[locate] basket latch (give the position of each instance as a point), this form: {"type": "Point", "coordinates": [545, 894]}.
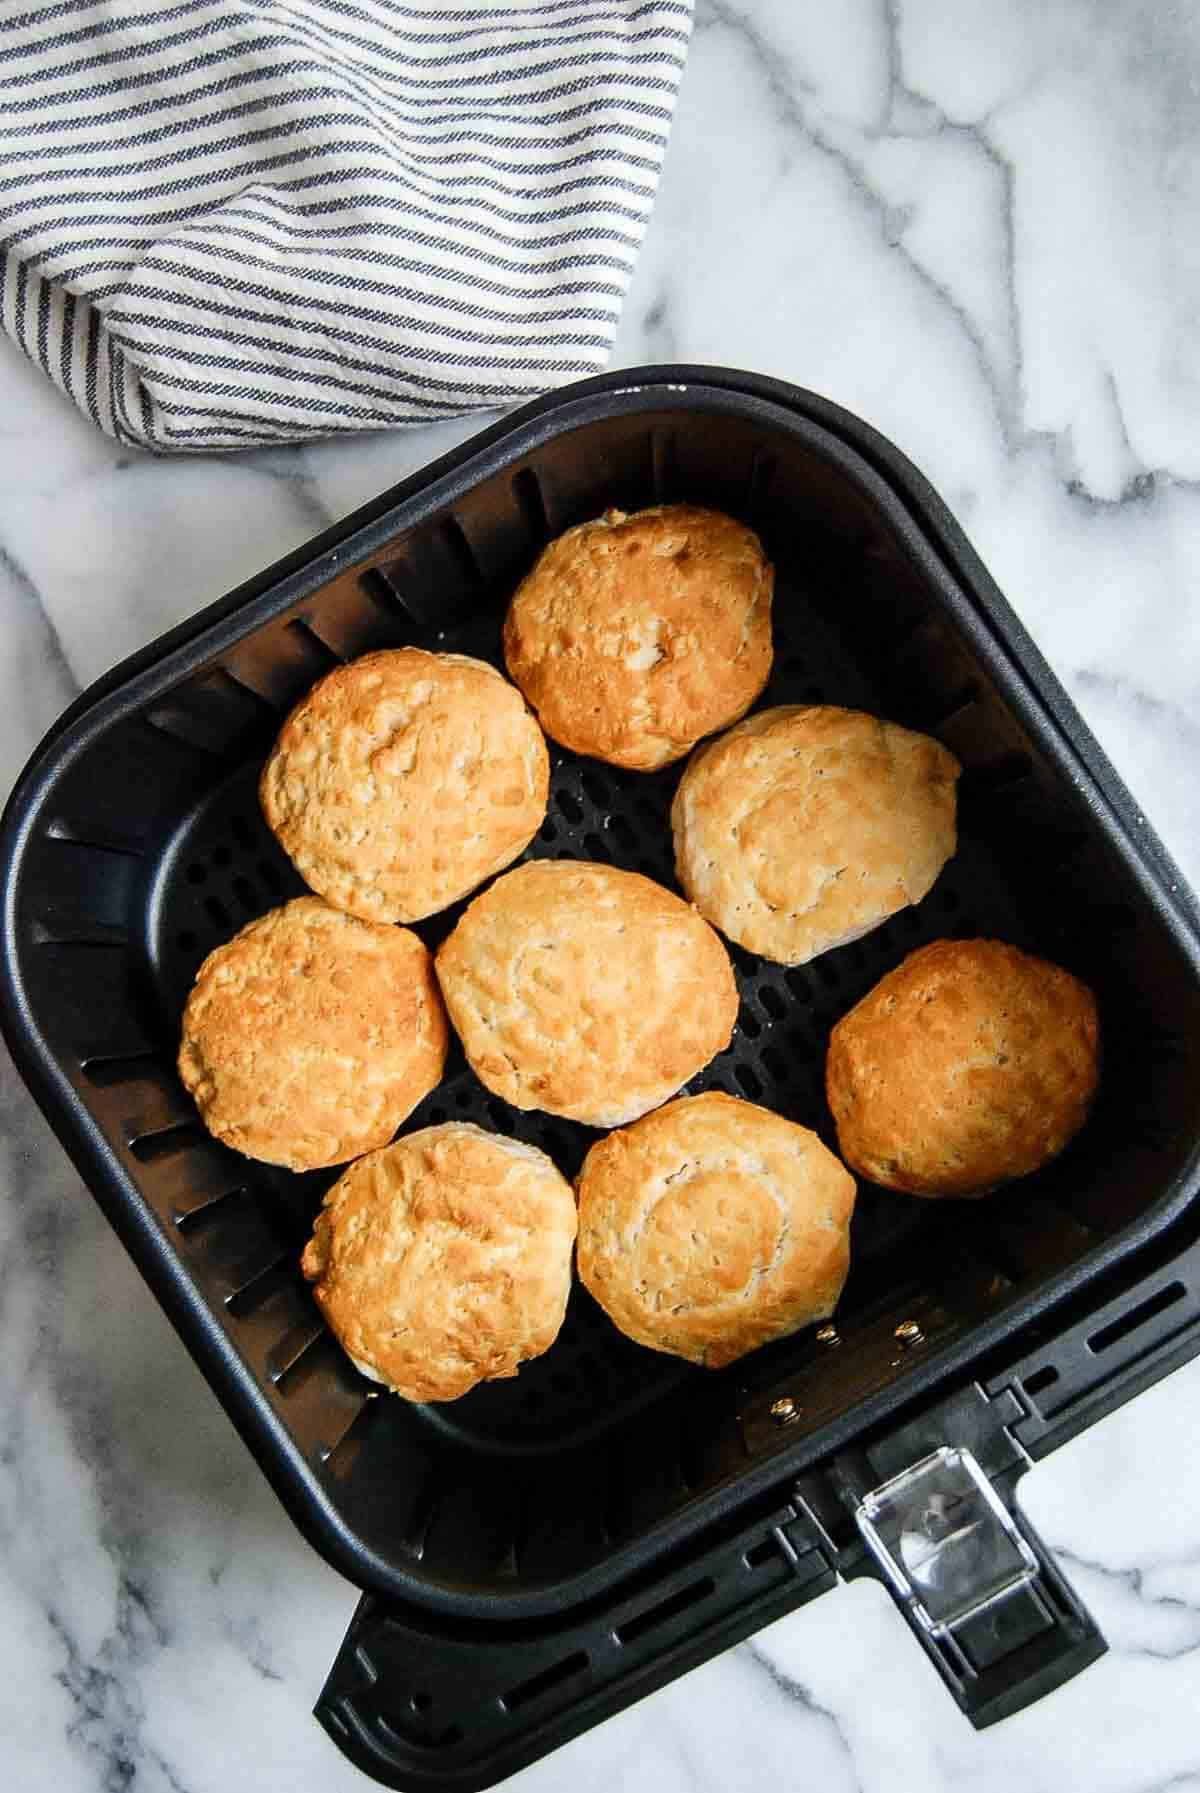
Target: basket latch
{"type": "Point", "coordinates": [930, 1510]}
{"type": "Point", "coordinates": [954, 1558]}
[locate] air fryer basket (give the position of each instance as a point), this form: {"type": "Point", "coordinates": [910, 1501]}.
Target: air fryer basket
{"type": "Point", "coordinates": [134, 844]}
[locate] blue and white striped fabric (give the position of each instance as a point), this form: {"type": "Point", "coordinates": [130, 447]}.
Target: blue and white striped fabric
{"type": "Point", "coordinates": [230, 222]}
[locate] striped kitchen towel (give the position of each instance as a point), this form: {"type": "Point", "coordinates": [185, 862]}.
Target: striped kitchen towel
{"type": "Point", "coordinates": [231, 222]}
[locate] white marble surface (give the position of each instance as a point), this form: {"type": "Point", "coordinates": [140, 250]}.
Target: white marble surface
{"type": "Point", "coordinates": [975, 225]}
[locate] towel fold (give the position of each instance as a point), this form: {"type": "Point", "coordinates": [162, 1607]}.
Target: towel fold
{"type": "Point", "coordinates": [225, 223]}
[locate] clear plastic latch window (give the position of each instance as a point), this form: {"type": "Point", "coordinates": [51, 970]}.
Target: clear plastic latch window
{"type": "Point", "coordinates": [945, 1541]}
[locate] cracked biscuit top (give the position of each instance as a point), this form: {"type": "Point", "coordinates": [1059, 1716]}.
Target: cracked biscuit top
{"type": "Point", "coordinates": [636, 635]}
{"type": "Point", "coordinates": [713, 1226]}
{"type": "Point", "coordinates": [971, 1064]}
{"type": "Point", "coordinates": [311, 1035]}
{"type": "Point", "coordinates": [403, 780]}
{"type": "Point", "coordinates": [586, 991]}
{"type": "Point", "coordinates": [444, 1260]}
{"type": "Point", "coordinates": [807, 825]}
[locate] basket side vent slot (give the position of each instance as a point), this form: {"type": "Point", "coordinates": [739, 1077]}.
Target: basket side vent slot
{"type": "Point", "coordinates": [541, 1684]}
{"type": "Point", "coordinates": [1141, 1315]}
{"type": "Point", "coordinates": [644, 1622]}
{"type": "Point", "coordinates": [527, 491]}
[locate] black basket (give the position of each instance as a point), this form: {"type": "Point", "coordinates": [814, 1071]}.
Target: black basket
{"type": "Point", "coordinates": [608, 1493]}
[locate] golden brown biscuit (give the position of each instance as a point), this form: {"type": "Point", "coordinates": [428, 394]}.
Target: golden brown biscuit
{"type": "Point", "coordinates": [806, 826]}
{"type": "Point", "coordinates": [444, 1260]}
{"type": "Point", "coordinates": [713, 1226]}
{"type": "Point", "coordinates": [405, 779]}
{"type": "Point", "coordinates": [590, 992]}
{"type": "Point", "coordinates": [310, 1035]}
{"type": "Point", "coordinates": [970, 1064]}
{"type": "Point", "coordinates": [633, 636]}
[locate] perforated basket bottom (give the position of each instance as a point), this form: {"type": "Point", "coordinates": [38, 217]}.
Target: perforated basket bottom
{"type": "Point", "coordinates": [221, 867]}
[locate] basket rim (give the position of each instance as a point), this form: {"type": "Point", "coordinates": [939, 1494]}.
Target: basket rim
{"type": "Point", "coordinates": [928, 530]}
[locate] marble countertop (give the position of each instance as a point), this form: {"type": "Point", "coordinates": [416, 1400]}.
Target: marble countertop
{"type": "Point", "coordinates": [975, 226]}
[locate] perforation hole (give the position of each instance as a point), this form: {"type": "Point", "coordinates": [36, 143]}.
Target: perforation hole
{"type": "Point", "coordinates": [773, 1003]}
{"type": "Point", "coordinates": [597, 848]}
{"type": "Point", "coordinates": [1006, 769]}
{"type": "Point", "coordinates": [209, 1207]}
{"type": "Point", "coordinates": [374, 584]}
{"type": "Point", "coordinates": [314, 646]}
{"type": "Point", "coordinates": [751, 1084]}
{"type": "Point", "coordinates": [150, 1147]}
{"type": "Point", "coordinates": [461, 550]}
{"type": "Point", "coordinates": [197, 874]}
{"type": "Point", "coordinates": [218, 914]}
{"type": "Point", "coordinates": [568, 807]}
{"type": "Point", "coordinates": [936, 713]}
{"type": "Point", "coordinates": [107, 1073]}
{"type": "Point", "coordinates": [528, 494]}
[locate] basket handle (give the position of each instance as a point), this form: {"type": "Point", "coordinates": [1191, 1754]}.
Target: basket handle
{"type": "Point", "coordinates": [421, 1706]}
{"type": "Point", "coordinates": [970, 1576]}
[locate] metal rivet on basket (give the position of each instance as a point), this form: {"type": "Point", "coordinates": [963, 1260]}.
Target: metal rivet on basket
{"type": "Point", "coordinates": [828, 1335]}
{"type": "Point", "coordinates": [785, 1410]}
{"type": "Point", "coordinates": [909, 1333]}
